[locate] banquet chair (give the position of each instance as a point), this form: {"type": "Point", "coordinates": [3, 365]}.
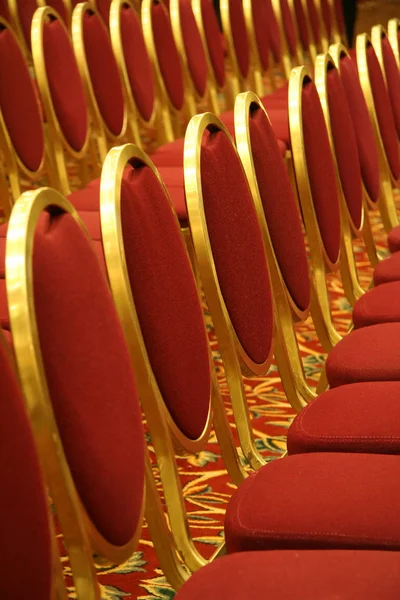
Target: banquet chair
{"type": "Point", "coordinates": [317, 26]}
{"type": "Point", "coordinates": [284, 11]}
{"type": "Point", "coordinates": [21, 19]}
{"type": "Point", "coordinates": [103, 8]}
{"type": "Point", "coordinates": [306, 36]}
{"type": "Point", "coordinates": [239, 49]}
{"type": "Point", "coordinates": [327, 17]}
{"type": "Point", "coordinates": [276, 38]}
{"type": "Point", "coordinates": [338, 21]}
{"type": "Point", "coordinates": [29, 555]}
{"type": "Point", "coordinates": [394, 35]}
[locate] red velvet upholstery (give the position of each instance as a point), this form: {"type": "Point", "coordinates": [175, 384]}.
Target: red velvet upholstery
{"type": "Point", "coordinates": [302, 24]}
{"type": "Point", "coordinates": [166, 300]}
{"type": "Point", "coordinates": [326, 500]}
{"type": "Point", "coordinates": [387, 270]}
{"type": "Point", "coordinates": [4, 10]}
{"type": "Point", "coordinates": [378, 305]}
{"type": "Point", "coordinates": [393, 80]}
{"type": "Point", "coordinates": [321, 171]}
{"type": "Point", "coordinates": [365, 138]}
{"type": "Point", "coordinates": [59, 6]}
{"type": "Point", "coordinates": [289, 27]}
{"type": "Point", "coordinates": [18, 103]}
{"type": "Point", "coordinates": [65, 83]}
{"type": "Point", "coordinates": [236, 245]}
{"type": "Point", "coordinates": [167, 54]}
{"type": "Point", "coordinates": [138, 64]}
{"type": "Point", "coordinates": [261, 15]}
{"type": "Point", "coordinates": [89, 376]}
{"type": "Point", "coordinates": [366, 354]}
{"type": "Point", "coordinates": [239, 35]}
{"type": "Point", "coordinates": [345, 144]}
{"type": "Point", "coordinates": [274, 38]}
{"type": "Point", "coordinates": [212, 35]}
{"type": "Point", "coordinates": [280, 209]}
{"type": "Point", "coordinates": [24, 525]}
{"type": "Point", "coordinates": [384, 112]}
{"type": "Point", "coordinates": [327, 17]}
{"type": "Point", "coordinates": [339, 15]}
{"type": "Point", "coordinates": [26, 11]}
{"type": "Point", "coordinates": [103, 7]}
{"type": "Point", "coordinates": [362, 417]}
{"type": "Point", "coordinates": [394, 239]}
{"type": "Point", "coordinates": [314, 21]}
{"type": "Point", "coordinates": [104, 74]}
{"type": "Point", "coordinates": [293, 575]}
{"type": "Point", "coordinates": [195, 53]}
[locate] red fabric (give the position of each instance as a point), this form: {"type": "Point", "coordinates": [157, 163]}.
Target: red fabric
{"type": "Point", "coordinates": [393, 80]}
{"type": "Point", "coordinates": [167, 55]}
{"type": "Point", "coordinates": [104, 74]}
{"type": "Point", "coordinates": [293, 575]}
{"type": "Point", "coordinates": [339, 15]}
{"type": "Point", "coordinates": [273, 33]}
{"type": "Point", "coordinates": [18, 103]}
{"type": "Point", "coordinates": [345, 146]}
{"type": "Point", "coordinates": [239, 35]}
{"type": "Point", "coordinates": [366, 354]}
{"type": "Point", "coordinates": [261, 10]}
{"type": "Point", "coordinates": [137, 61]}
{"type": "Point", "coordinates": [378, 305]}
{"type": "Point", "coordinates": [4, 10]}
{"type": "Point", "coordinates": [174, 181]}
{"type": "Point", "coordinates": [4, 314]}
{"type": "Point", "coordinates": [321, 171]}
{"type": "Point", "coordinates": [280, 124]}
{"type": "Point", "coordinates": [280, 209]}
{"type": "Point", "coordinates": [59, 6]}
{"type": "Point", "coordinates": [387, 270]}
{"type": "Point", "coordinates": [289, 27]}
{"type": "Point", "coordinates": [66, 86]}
{"type": "Point", "coordinates": [24, 524]}
{"type": "Point", "coordinates": [90, 378]}
{"type": "Point", "coordinates": [26, 10]}
{"type": "Point", "coordinates": [88, 198]}
{"type": "Point", "coordinates": [195, 53]}
{"type": "Point", "coordinates": [166, 299]}
{"type": "Point", "coordinates": [326, 17]}
{"type": "Point", "coordinates": [314, 21]}
{"type": "Point", "coordinates": [103, 7]}
{"type": "Point", "coordinates": [384, 112]}
{"type": "Point", "coordinates": [302, 24]}
{"type": "Point", "coordinates": [237, 245]}
{"type": "Point", "coordinates": [326, 500]}
{"type": "Point", "coordinates": [394, 239]}
{"type": "Point", "coordinates": [362, 417]}
{"type": "Point", "coordinates": [170, 154]}
{"type": "Point", "coordinates": [212, 35]}
{"type": "Point", "coordinates": [365, 137]}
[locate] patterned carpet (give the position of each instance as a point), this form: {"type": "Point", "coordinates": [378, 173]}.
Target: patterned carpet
{"type": "Point", "coordinates": [207, 487]}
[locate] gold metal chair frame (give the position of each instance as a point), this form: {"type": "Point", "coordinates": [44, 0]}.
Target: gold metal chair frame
{"type": "Point", "coordinates": [393, 30]}
{"type": "Point", "coordinates": [102, 132]}
{"type": "Point", "coordinates": [286, 58]}
{"type": "Point", "coordinates": [378, 32]}
{"type": "Point", "coordinates": [80, 535]}
{"type": "Point", "coordinates": [160, 423]}
{"type": "Point", "coordinates": [169, 115]}
{"type": "Point", "coordinates": [256, 68]}
{"type": "Point", "coordinates": [337, 36]}
{"type": "Point", "coordinates": [57, 140]}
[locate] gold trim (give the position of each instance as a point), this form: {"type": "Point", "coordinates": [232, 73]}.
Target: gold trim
{"type": "Point", "coordinates": [76, 525]}
{"type": "Point", "coordinates": [393, 29]}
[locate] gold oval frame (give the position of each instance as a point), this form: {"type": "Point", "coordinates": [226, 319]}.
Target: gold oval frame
{"type": "Point", "coordinates": [80, 534]}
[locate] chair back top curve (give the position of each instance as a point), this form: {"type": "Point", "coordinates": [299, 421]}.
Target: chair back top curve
{"type": "Point", "coordinates": [390, 70]}
{"type": "Point", "coordinates": [207, 23]}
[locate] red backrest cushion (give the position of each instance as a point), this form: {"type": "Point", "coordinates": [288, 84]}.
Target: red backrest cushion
{"type": "Point", "coordinates": [137, 60]}
{"type": "Point", "coordinates": [289, 27]}
{"type": "Point", "coordinates": [393, 80]}
{"type": "Point", "coordinates": [66, 86]}
{"type": "Point", "coordinates": [103, 7]}
{"type": "Point", "coordinates": [167, 54]}
{"type": "Point", "coordinates": [89, 375]}
{"type": "Point", "coordinates": [321, 171]}
{"type": "Point", "coordinates": [19, 104]}
{"type": "Point", "coordinates": [339, 14]}
{"type": "Point", "coordinates": [104, 74]}
{"type": "Point", "coordinates": [213, 38]}
{"type": "Point", "coordinates": [26, 10]}
{"type": "Point", "coordinates": [280, 209]}
{"type": "Point", "coordinates": [345, 144]}
{"type": "Point", "coordinates": [166, 300]}
{"type": "Point", "coordinates": [365, 138]}
{"type": "Point", "coordinates": [4, 10]}
{"type": "Point", "coordinates": [261, 16]}
{"type": "Point", "coordinates": [24, 524]}
{"type": "Point", "coordinates": [302, 24]}
{"type": "Point", "coordinates": [384, 112]}
{"type": "Point", "coordinates": [59, 6]}
{"type": "Point", "coordinates": [314, 21]}
{"type": "Point", "coordinates": [239, 36]}
{"type": "Point", "coordinates": [327, 17]}
{"type": "Point", "coordinates": [274, 37]}
{"type": "Point", "coordinates": [236, 245]}
{"type": "Point", "coordinates": [195, 53]}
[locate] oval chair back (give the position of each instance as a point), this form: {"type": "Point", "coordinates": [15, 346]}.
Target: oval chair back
{"type": "Point", "coordinates": [340, 35]}
{"type": "Point", "coordinates": [239, 51]}
{"type": "Point", "coordinates": [304, 29]}
{"type": "Point", "coordinates": [99, 71]}
{"type": "Point", "coordinates": [77, 377]}
{"type": "Point", "coordinates": [62, 91]}
{"type": "Point", "coordinates": [326, 16]}
{"type": "Point", "coordinates": [21, 14]}
{"type": "Point", "coordinates": [394, 38]}
{"type": "Point", "coordinates": [317, 26]}
{"type": "Point", "coordinates": [257, 15]}
{"type": "Point", "coordinates": [103, 8]}
{"type": "Point", "coordinates": [290, 30]}
{"type": "Point", "coordinates": [63, 8]}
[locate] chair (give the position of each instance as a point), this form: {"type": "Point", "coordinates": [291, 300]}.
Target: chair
{"type": "Point", "coordinates": [393, 35]}
{"type": "Point", "coordinates": [327, 17]}
{"type": "Point", "coordinates": [338, 21]}
{"type": "Point", "coordinates": [304, 28]}
{"type": "Point", "coordinates": [285, 9]}
{"type": "Point", "coordinates": [239, 51]}
{"type": "Point", "coordinates": [21, 18]}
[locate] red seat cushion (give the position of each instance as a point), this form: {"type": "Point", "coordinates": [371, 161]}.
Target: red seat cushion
{"type": "Point", "coordinates": [393, 80]}
{"type": "Point", "coordinates": [87, 199]}
{"type": "Point", "coordinates": [293, 575]}
{"type": "Point", "coordinates": [325, 500]}
{"type": "Point", "coordinates": [24, 520]}
{"type": "Point", "coordinates": [212, 34]}
{"type": "Point", "coordinates": [195, 53]}
{"type": "Point", "coordinates": [166, 299]}
{"type": "Point", "coordinates": [378, 305]}
{"type": "Point", "coordinates": [393, 239]}
{"type": "Point", "coordinates": [387, 270]}
{"type": "Point", "coordinates": [89, 376]}
{"type": "Point", "coordinates": [366, 354]}
{"type": "Point", "coordinates": [362, 417]}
